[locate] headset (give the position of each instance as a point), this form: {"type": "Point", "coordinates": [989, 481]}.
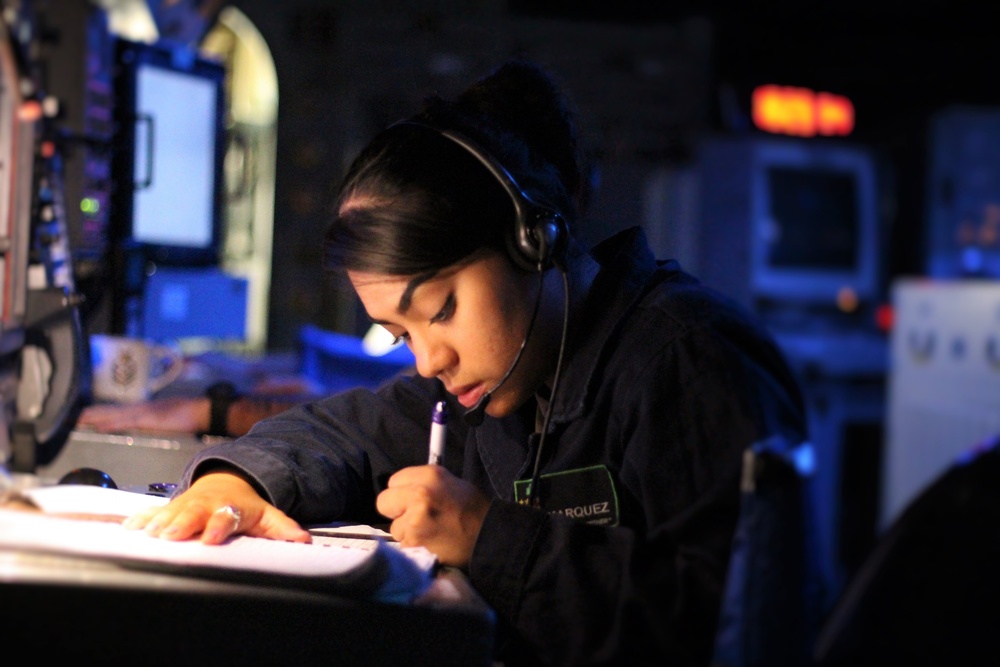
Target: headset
{"type": "Point", "coordinates": [539, 232]}
{"type": "Point", "coordinates": [536, 244]}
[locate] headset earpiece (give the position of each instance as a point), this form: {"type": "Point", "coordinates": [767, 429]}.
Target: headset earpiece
{"type": "Point", "coordinates": [538, 240]}
{"type": "Point", "coordinates": [539, 231]}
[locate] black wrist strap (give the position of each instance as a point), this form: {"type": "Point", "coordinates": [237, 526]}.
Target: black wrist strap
{"type": "Point", "coordinates": [222, 395]}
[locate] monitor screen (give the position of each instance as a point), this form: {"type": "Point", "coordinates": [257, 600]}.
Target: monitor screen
{"type": "Point", "coordinates": [814, 219]}
{"type": "Point", "coordinates": [175, 154]}
{"type": "Point", "coordinates": [170, 112]}
{"type": "Point", "coordinates": [815, 229]}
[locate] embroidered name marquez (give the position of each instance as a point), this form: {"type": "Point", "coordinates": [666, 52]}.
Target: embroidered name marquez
{"type": "Point", "coordinates": [584, 511]}
{"type": "Point", "coordinates": [585, 494]}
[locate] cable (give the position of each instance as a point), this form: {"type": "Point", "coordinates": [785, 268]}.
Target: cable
{"type": "Point", "coordinates": [474, 415]}
{"type": "Point", "coordinates": [533, 498]}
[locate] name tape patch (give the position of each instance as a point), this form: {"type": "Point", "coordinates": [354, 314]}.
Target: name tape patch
{"type": "Point", "coordinates": [587, 494]}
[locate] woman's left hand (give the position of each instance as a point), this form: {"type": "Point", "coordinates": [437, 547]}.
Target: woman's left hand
{"type": "Point", "coordinates": [432, 508]}
{"type": "Point", "coordinates": [175, 414]}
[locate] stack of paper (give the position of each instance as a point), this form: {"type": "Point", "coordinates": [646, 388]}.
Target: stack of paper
{"type": "Point", "coordinates": [84, 521]}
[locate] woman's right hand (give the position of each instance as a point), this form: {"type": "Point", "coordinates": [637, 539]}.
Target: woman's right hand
{"type": "Point", "coordinates": [217, 506]}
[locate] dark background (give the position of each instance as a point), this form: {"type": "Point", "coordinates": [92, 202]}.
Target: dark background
{"type": "Point", "coordinates": [650, 79]}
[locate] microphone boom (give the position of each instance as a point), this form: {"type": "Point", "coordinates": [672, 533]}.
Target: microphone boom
{"type": "Point", "coordinates": [474, 415]}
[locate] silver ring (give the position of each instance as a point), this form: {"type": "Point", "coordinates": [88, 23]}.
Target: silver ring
{"type": "Point", "coordinates": [233, 513]}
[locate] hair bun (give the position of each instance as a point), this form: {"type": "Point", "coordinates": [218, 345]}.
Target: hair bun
{"type": "Point", "coordinates": [522, 98]}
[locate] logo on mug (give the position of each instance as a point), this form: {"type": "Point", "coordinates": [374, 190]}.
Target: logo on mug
{"type": "Point", "coordinates": [129, 370]}
{"type": "Point", "coordinates": [125, 369]}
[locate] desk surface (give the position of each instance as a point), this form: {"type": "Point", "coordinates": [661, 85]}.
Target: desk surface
{"type": "Point", "coordinates": [133, 461]}
{"type": "Point", "coordinates": [75, 608]}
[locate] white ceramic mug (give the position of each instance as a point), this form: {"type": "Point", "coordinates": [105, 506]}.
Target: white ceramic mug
{"type": "Point", "coordinates": [131, 370]}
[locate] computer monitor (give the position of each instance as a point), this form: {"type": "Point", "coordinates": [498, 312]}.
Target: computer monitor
{"type": "Point", "coordinates": [167, 203]}
{"type": "Point", "coordinates": [815, 227]}
{"type": "Point", "coordinates": [792, 222]}
{"type": "Point", "coordinates": [170, 112]}
{"type": "Point", "coordinates": [962, 234]}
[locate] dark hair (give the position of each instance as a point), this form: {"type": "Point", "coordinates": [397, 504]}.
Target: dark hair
{"type": "Point", "coordinates": [419, 202]}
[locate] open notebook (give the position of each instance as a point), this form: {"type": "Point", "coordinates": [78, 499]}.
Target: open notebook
{"type": "Point", "coordinates": [85, 521]}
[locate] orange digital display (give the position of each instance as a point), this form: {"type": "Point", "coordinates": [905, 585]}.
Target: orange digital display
{"type": "Point", "coordinates": [801, 112]}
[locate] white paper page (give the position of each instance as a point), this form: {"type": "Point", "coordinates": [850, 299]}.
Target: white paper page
{"type": "Point", "coordinates": [82, 498]}
{"type": "Point", "coordinates": [350, 529]}
{"type": "Point", "coordinates": [330, 556]}
{"type": "Point", "coordinates": [38, 532]}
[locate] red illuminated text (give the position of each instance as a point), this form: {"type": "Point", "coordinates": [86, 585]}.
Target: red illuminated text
{"type": "Point", "coordinates": [801, 112]}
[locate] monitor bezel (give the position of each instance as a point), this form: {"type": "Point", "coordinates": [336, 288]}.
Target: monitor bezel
{"type": "Point", "coordinates": [131, 58]}
{"type": "Point", "coordinates": [805, 284]}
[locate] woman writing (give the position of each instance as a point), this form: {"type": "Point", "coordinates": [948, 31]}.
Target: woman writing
{"type": "Point", "coordinates": [600, 400]}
